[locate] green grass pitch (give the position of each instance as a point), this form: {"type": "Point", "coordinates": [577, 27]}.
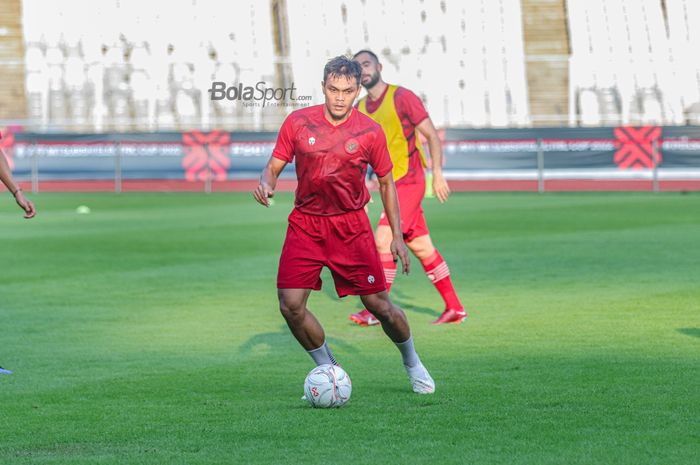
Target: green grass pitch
{"type": "Point", "coordinates": [147, 332]}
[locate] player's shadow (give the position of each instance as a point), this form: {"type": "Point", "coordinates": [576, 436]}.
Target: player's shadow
{"type": "Point", "coordinates": [692, 332]}
{"type": "Point", "coordinates": [402, 300]}
{"type": "Point", "coordinates": [417, 309]}
{"type": "Point", "coordinates": [283, 339]}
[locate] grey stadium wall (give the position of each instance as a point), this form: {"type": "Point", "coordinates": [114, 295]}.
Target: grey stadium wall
{"type": "Point", "coordinates": [536, 159]}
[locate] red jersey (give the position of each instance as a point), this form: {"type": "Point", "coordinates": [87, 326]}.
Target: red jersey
{"type": "Point", "coordinates": [410, 112]}
{"type": "Point", "coordinates": [331, 161]}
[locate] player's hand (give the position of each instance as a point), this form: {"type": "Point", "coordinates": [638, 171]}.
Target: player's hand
{"type": "Point", "coordinates": [400, 251]}
{"type": "Point", "coordinates": [440, 187]}
{"type": "Point", "coordinates": [25, 204]}
{"type": "Point", "coordinates": [263, 193]}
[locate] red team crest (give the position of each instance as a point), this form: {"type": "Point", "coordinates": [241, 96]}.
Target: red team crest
{"type": "Point", "coordinates": [206, 155]}
{"type": "Point", "coordinates": [351, 146]}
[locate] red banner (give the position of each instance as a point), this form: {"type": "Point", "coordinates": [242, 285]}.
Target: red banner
{"type": "Point", "coordinates": [206, 155]}
{"type": "Point", "coordinates": [634, 147]}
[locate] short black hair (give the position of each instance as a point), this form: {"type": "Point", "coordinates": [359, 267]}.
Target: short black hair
{"type": "Point", "coordinates": [368, 52]}
{"type": "Point", "coordinates": [342, 66]}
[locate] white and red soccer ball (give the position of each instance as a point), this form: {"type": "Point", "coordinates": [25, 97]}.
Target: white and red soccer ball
{"type": "Point", "coordinates": [327, 386]}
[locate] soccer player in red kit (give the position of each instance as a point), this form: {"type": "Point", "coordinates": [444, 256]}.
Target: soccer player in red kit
{"type": "Point", "coordinates": [22, 201]}
{"type": "Point", "coordinates": [6, 178]}
{"type": "Point", "coordinates": [332, 145]}
{"type": "Point", "coordinates": [402, 116]}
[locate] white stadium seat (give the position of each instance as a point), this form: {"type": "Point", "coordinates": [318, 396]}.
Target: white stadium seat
{"type": "Point", "coordinates": [636, 61]}
{"type": "Point", "coordinates": [624, 44]}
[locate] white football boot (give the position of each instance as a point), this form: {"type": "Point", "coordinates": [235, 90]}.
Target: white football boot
{"type": "Point", "coordinates": [421, 381]}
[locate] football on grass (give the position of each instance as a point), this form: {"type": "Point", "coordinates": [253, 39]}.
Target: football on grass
{"type": "Point", "coordinates": [327, 386]}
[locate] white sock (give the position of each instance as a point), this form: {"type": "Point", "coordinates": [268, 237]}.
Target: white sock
{"type": "Point", "coordinates": [408, 353]}
{"type": "Point", "coordinates": [322, 355]}
{"type": "Point", "coordinates": [330, 354]}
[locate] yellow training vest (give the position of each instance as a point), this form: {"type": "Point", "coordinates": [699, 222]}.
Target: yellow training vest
{"type": "Point", "coordinates": [397, 143]}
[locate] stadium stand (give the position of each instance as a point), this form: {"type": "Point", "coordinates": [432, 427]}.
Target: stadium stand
{"type": "Point", "coordinates": [684, 37]}
{"type": "Point", "coordinates": [141, 65]}
{"type": "Point", "coordinates": [466, 72]}
{"type": "Point", "coordinates": [148, 74]}
{"type": "Point", "coordinates": [630, 61]}
{"type": "Point", "coordinates": [146, 66]}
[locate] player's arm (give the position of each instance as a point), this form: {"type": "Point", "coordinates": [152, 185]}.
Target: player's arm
{"type": "Point", "coordinates": [390, 199]}
{"type": "Point", "coordinates": [440, 187]}
{"type": "Point", "coordinates": [268, 181]}
{"type": "Point", "coordinates": [282, 153]}
{"type": "Point", "coordinates": [6, 178]}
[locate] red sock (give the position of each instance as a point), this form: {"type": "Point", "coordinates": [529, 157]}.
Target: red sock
{"type": "Point", "coordinates": [389, 266]}
{"type": "Point", "coordinates": [439, 274]}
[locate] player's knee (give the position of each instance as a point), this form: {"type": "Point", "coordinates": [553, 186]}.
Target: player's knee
{"type": "Point", "coordinates": [290, 307]}
{"type": "Point", "coordinates": [421, 254]}
{"type": "Point", "coordinates": [383, 309]}
{"type": "Point", "coordinates": [383, 246]}
{"type": "Point", "coordinates": [422, 247]}
{"type": "Point", "coordinates": [382, 239]}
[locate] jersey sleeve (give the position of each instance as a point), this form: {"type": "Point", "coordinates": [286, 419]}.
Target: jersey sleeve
{"type": "Point", "coordinates": [284, 148]}
{"type": "Point", "coordinates": [379, 158]}
{"type": "Point", "coordinates": [410, 106]}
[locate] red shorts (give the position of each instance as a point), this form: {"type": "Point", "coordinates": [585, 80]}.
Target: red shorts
{"type": "Point", "coordinates": [344, 243]}
{"type": "Point", "coordinates": [412, 219]}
